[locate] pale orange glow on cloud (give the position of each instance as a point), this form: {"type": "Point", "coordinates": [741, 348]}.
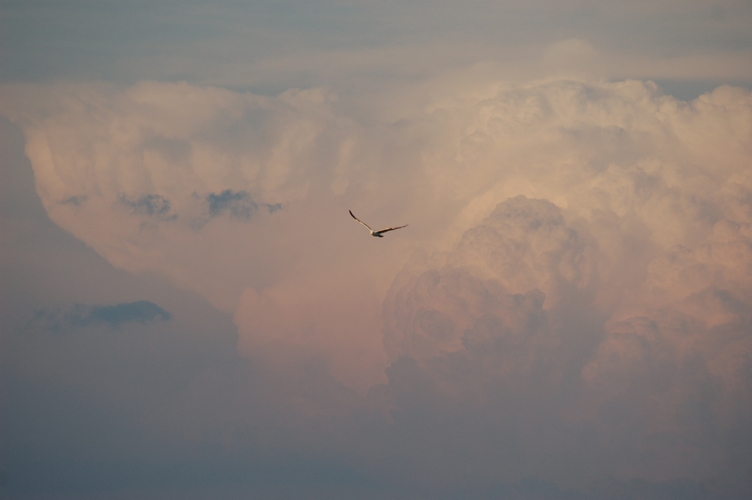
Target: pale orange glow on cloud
{"type": "Point", "coordinates": [187, 309]}
{"type": "Point", "coordinates": [577, 258]}
{"type": "Point", "coordinates": [329, 317]}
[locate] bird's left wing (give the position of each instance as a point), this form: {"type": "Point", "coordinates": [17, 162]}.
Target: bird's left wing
{"type": "Point", "coordinates": [353, 216]}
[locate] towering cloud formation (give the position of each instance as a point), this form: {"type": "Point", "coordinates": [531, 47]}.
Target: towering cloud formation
{"type": "Point", "coordinates": [609, 322]}
{"type": "Point", "coordinates": [479, 336]}
{"type": "Point", "coordinates": [576, 282]}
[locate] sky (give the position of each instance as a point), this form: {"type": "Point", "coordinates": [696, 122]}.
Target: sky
{"type": "Point", "coordinates": [188, 311]}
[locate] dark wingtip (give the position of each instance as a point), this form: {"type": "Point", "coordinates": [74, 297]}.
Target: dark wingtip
{"type": "Point", "coordinates": [351, 214]}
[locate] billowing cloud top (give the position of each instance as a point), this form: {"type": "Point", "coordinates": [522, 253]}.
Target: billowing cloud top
{"type": "Point", "coordinates": [146, 173]}
{"type": "Point", "coordinates": [187, 310]}
{"type": "Point", "coordinates": [576, 279]}
{"type": "Point", "coordinates": [607, 295]}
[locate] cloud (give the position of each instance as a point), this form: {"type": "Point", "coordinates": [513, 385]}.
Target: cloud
{"type": "Point", "coordinates": [237, 204]}
{"type": "Point", "coordinates": [600, 308]}
{"type": "Point", "coordinates": [476, 340]}
{"type": "Point", "coordinates": [140, 311]}
{"type": "Point", "coordinates": [165, 160]}
{"type": "Point", "coordinates": [570, 300]}
{"type": "Point", "coordinates": [566, 316]}
{"type": "Point", "coordinates": [475, 343]}
{"type": "Point", "coordinates": [80, 315]}
{"type": "Point", "coordinates": [153, 206]}
{"type": "Point", "coordinates": [180, 153]}
{"type": "Point", "coordinates": [270, 46]}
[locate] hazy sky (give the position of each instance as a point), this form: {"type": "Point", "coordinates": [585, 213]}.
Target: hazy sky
{"type": "Point", "coordinates": [189, 312]}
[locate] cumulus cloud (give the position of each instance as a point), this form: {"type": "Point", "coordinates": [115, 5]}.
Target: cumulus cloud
{"type": "Point", "coordinates": [569, 302]}
{"type": "Point", "coordinates": [602, 312]}
{"type": "Point", "coordinates": [477, 341]}
{"type": "Point", "coordinates": [163, 161]}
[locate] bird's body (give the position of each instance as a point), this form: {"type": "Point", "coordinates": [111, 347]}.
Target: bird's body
{"type": "Point", "coordinates": [380, 232]}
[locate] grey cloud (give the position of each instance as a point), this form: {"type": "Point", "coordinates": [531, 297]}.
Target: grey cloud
{"type": "Point", "coordinates": [616, 489]}
{"type": "Point", "coordinates": [80, 315]}
{"type": "Point", "coordinates": [319, 44]}
{"type": "Point", "coordinates": [76, 201]}
{"type": "Point", "coordinates": [477, 349]}
{"type": "Point", "coordinates": [237, 204]}
{"type": "Point", "coordinates": [140, 311]}
{"type": "Point", "coordinates": [608, 488]}
{"type": "Point", "coordinates": [152, 205]}
{"type": "Point", "coordinates": [527, 243]}
{"type": "Point", "coordinates": [682, 373]}
{"type": "Point", "coordinates": [532, 488]}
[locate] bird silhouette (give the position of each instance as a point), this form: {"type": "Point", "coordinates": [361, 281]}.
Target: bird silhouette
{"type": "Point", "coordinates": [380, 232]}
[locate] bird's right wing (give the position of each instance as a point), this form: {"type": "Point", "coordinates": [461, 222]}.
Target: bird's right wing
{"type": "Point", "coordinates": [380, 231]}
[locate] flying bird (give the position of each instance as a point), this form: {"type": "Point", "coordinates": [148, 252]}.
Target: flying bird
{"type": "Point", "coordinates": [380, 232]}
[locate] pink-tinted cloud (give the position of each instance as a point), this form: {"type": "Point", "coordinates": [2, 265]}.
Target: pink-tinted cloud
{"type": "Point", "coordinates": [570, 300]}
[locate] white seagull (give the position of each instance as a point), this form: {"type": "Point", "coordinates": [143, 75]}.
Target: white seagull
{"type": "Point", "coordinates": [380, 232]}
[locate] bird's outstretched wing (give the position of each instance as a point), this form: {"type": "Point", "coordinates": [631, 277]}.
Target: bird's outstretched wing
{"type": "Point", "coordinates": [381, 231]}
{"type": "Point", "coordinates": [353, 216]}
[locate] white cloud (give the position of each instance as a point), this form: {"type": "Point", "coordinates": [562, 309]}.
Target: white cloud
{"type": "Point", "coordinates": [621, 313]}
{"type": "Point", "coordinates": [575, 276]}
{"type": "Point", "coordinates": [136, 173]}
